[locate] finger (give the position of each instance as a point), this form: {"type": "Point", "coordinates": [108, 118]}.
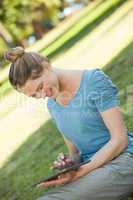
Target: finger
{"type": "Point", "coordinates": [53, 183]}
{"type": "Point", "coordinates": [68, 160]}
{"type": "Point", "coordinates": [59, 164]}
{"type": "Point", "coordinates": [60, 159]}
{"type": "Point", "coordinates": [62, 163]}
{"type": "Point", "coordinates": [60, 180]}
{"type": "Point", "coordinates": [56, 164]}
{"type": "Point", "coordinates": [61, 155]}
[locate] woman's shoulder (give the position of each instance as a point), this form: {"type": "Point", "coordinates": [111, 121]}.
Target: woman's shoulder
{"type": "Point", "coordinates": [98, 79]}
{"type": "Point", "coordinates": [96, 73]}
{"type": "Point", "coordinates": [93, 73]}
{"type": "Point", "coordinates": [92, 76]}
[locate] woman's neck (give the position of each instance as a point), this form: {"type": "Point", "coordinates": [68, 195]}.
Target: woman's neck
{"type": "Point", "coordinates": [69, 81]}
{"type": "Point", "coordinates": [64, 78]}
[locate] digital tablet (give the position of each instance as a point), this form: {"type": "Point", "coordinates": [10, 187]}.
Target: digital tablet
{"type": "Point", "coordinates": [52, 177]}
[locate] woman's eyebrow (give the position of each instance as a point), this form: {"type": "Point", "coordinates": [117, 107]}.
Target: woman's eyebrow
{"type": "Point", "coordinates": [38, 87]}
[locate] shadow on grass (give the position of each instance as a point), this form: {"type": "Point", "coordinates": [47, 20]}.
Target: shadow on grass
{"type": "Point", "coordinates": [121, 67]}
{"type": "Point", "coordinates": [86, 30]}
{"type": "Point", "coordinates": [121, 71]}
{"type": "Point", "coordinates": [30, 163]}
{"type": "Point", "coordinates": [32, 160]}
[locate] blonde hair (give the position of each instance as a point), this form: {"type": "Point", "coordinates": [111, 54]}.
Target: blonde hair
{"type": "Point", "coordinates": [24, 65]}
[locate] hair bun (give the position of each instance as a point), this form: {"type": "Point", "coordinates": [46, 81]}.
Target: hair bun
{"type": "Point", "coordinates": [14, 53]}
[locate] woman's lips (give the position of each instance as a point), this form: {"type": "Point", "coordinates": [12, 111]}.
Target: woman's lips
{"type": "Point", "coordinates": [49, 92]}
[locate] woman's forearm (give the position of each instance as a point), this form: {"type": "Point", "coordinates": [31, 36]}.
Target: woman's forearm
{"type": "Point", "coordinates": [111, 150]}
{"type": "Point", "coordinates": [75, 157]}
{"type": "Point", "coordinates": [73, 151]}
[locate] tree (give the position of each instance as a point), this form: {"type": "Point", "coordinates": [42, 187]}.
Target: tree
{"type": "Point", "coordinates": [17, 15]}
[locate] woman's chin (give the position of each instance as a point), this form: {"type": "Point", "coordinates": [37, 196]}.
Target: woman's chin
{"type": "Point", "coordinates": [54, 93]}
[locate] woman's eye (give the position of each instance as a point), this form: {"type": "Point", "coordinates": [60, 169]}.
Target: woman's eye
{"type": "Point", "coordinates": [34, 95]}
{"type": "Point", "coordinates": [41, 86]}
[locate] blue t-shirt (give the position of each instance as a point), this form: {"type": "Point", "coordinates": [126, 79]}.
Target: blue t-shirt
{"type": "Point", "coordinates": [80, 121]}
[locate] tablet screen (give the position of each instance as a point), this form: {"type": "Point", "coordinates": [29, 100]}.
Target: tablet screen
{"type": "Point", "coordinates": [52, 177]}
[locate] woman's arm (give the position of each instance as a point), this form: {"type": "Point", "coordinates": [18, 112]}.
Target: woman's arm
{"type": "Point", "coordinates": [118, 142]}
{"type": "Point", "coordinates": [113, 119]}
{"type": "Point", "coordinates": [72, 149]}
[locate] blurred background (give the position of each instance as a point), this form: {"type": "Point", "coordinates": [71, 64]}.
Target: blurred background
{"type": "Point", "coordinates": [73, 34]}
{"type": "Point", "coordinates": [25, 22]}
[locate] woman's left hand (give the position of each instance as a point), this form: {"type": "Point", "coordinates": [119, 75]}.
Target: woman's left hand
{"type": "Point", "coordinates": [63, 178]}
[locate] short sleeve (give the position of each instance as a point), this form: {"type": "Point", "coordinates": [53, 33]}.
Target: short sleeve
{"type": "Point", "coordinates": [104, 91]}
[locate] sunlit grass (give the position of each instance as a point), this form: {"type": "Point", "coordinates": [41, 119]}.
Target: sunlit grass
{"type": "Point", "coordinates": [82, 24]}
{"type": "Point", "coordinates": [32, 160]}
{"type": "Point", "coordinates": [36, 150]}
{"type": "Point", "coordinates": [97, 48]}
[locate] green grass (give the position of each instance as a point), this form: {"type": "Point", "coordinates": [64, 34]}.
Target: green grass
{"type": "Point", "coordinates": [5, 88]}
{"type": "Point", "coordinates": [32, 160]}
{"type": "Point", "coordinates": [30, 163]}
{"type": "Point", "coordinates": [83, 27]}
{"type": "Point", "coordinates": [121, 71]}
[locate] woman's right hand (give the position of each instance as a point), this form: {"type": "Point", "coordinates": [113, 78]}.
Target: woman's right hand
{"type": "Point", "coordinates": [63, 161]}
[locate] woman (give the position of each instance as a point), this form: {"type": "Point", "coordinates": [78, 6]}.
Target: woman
{"type": "Point", "coordinates": [84, 106]}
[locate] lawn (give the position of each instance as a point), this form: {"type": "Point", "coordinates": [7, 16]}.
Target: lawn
{"type": "Point", "coordinates": [32, 160]}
